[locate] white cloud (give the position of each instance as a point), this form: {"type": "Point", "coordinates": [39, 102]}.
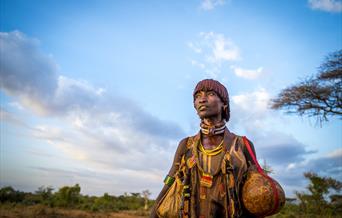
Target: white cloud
{"type": "Point", "coordinates": [335, 154]}
{"type": "Point", "coordinates": [20, 74]}
{"type": "Point", "coordinates": [213, 72]}
{"type": "Point", "coordinates": [255, 103]}
{"type": "Point", "coordinates": [107, 146]}
{"type": "Point", "coordinates": [112, 136]}
{"type": "Point", "coordinates": [94, 128]}
{"type": "Point", "coordinates": [250, 111]}
{"type": "Point", "coordinates": [196, 63]}
{"type": "Point", "coordinates": [195, 48]}
{"type": "Point", "coordinates": [286, 155]}
{"type": "Point", "coordinates": [223, 49]}
{"type": "Point", "coordinates": [16, 105]}
{"type": "Point", "coordinates": [6, 116]}
{"type": "Point", "coordinates": [208, 5]}
{"type": "Point", "coordinates": [33, 78]}
{"type": "Point", "coordinates": [326, 5]}
{"type": "Point", "coordinates": [247, 73]}
{"type": "Point", "coordinates": [251, 116]}
{"type": "Point", "coordinates": [329, 165]}
{"type": "Point", "coordinates": [292, 176]}
{"type": "Point", "coordinates": [291, 166]}
{"type": "Point", "coordinates": [213, 50]}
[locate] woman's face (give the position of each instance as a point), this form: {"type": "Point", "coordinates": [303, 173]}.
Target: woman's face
{"type": "Point", "coordinates": [208, 105]}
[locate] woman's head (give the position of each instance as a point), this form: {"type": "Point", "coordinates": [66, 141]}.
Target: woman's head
{"type": "Point", "coordinates": [208, 85]}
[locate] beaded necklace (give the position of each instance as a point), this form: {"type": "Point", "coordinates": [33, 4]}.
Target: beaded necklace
{"type": "Point", "coordinates": [211, 130]}
{"type": "Point", "coordinates": [211, 152]}
{"type": "Point", "coordinates": [206, 179]}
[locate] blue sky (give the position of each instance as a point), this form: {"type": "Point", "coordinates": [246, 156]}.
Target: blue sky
{"type": "Point", "coordinates": [100, 92]}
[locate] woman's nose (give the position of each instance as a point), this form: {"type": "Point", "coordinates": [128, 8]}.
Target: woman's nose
{"type": "Point", "coordinates": [203, 98]}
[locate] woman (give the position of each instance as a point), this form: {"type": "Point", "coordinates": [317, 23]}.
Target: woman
{"type": "Point", "coordinates": [212, 165]}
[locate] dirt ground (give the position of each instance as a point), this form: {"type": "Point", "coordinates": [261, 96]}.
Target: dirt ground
{"type": "Point", "coordinates": [40, 211]}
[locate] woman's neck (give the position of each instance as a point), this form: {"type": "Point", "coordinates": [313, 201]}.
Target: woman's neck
{"type": "Point", "coordinates": [210, 142]}
{"type": "Point", "coordinates": [212, 132]}
{"type": "Point", "coordinates": [212, 122]}
{"type": "Point", "coordinates": [212, 128]}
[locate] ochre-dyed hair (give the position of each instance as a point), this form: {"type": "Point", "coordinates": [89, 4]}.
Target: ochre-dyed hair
{"type": "Point", "coordinates": [219, 89]}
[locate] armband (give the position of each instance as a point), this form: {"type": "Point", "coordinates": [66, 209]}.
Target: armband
{"type": "Point", "coordinates": [169, 180]}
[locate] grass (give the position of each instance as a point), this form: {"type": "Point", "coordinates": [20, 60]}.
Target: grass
{"type": "Point", "coordinates": [41, 211]}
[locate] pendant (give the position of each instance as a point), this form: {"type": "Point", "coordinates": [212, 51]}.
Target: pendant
{"type": "Point", "coordinates": [206, 180]}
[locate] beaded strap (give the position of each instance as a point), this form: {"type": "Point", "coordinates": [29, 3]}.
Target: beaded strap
{"type": "Point", "coordinates": [169, 180]}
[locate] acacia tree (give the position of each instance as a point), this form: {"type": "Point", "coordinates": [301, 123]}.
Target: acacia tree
{"type": "Point", "coordinates": [315, 200]}
{"type": "Point", "coordinates": [68, 196]}
{"type": "Point", "coordinates": [319, 96]}
{"type": "Point", "coordinates": [45, 193]}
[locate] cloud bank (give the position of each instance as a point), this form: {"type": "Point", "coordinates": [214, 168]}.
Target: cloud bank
{"type": "Point", "coordinates": [118, 142]}
{"type": "Point", "coordinates": [333, 6]}
{"type": "Point", "coordinates": [287, 156]}
{"type": "Point", "coordinates": [107, 133]}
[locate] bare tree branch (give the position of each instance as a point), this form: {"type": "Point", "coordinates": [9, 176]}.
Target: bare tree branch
{"type": "Point", "coordinates": [319, 96]}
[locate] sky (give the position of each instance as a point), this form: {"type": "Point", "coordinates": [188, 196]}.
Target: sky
{"type": "Point", "coordinates": [99, 93]}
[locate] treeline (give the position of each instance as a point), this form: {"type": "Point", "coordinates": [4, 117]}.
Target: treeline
{"type": "Point", "coordinates": [321, 199]}
{"type": "Point", "coordinates": [70, 197]}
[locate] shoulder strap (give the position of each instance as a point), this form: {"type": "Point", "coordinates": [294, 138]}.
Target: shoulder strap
{"type": "Point", "coordinates": [251, 153]}
{"type": "Point", "coordinates": [261, 171]}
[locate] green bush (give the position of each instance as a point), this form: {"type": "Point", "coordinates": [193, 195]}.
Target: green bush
{"type": "Point", "coordinates": [8, 194]}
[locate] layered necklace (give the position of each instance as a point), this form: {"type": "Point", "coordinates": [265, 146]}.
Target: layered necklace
{"type": "Point", "coordinates": [212, 130]}
{"type": "Point", "coordinates": [211, 152]}
{"type": "Point", "coordinates": [206, 155]}
{"type": "Point", "coordinates": [205, 172]}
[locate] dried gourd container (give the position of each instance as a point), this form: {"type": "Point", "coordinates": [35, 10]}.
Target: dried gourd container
{"type": "Point", "coordinates": [261, 195]}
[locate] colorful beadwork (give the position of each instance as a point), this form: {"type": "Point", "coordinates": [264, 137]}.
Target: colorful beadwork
{"type": "Point", "coordinates": [186, 191]}
{"type": "Point", "coordinates": [169, 180]}
{"type": "Point", "coordinates": [206, 180]}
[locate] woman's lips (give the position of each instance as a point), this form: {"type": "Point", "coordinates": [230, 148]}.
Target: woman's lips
{"type": "Point", "coordinates": [202, 107]}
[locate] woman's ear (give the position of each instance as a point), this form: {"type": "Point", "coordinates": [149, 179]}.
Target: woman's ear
{"type": "Point", "coordinates": [224, 112]}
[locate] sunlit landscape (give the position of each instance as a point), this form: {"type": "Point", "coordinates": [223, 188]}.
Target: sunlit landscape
{"type": "Point", "coordinates": [95, 97]}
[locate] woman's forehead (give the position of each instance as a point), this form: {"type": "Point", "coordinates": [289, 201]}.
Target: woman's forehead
{"type": "Point", "coordinates": [205, 90]}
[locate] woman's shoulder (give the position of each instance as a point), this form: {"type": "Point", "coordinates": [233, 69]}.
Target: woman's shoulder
{"type": "Point", "coordinates": [241, 140]}
{"type": "Point", "coordinates": [182, 146]}
{"type": "Point", "coordinates": [186, 143]}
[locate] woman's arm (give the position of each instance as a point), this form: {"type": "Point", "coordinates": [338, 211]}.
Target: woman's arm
{"type": "Point", "coordinates": [175, 167]}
